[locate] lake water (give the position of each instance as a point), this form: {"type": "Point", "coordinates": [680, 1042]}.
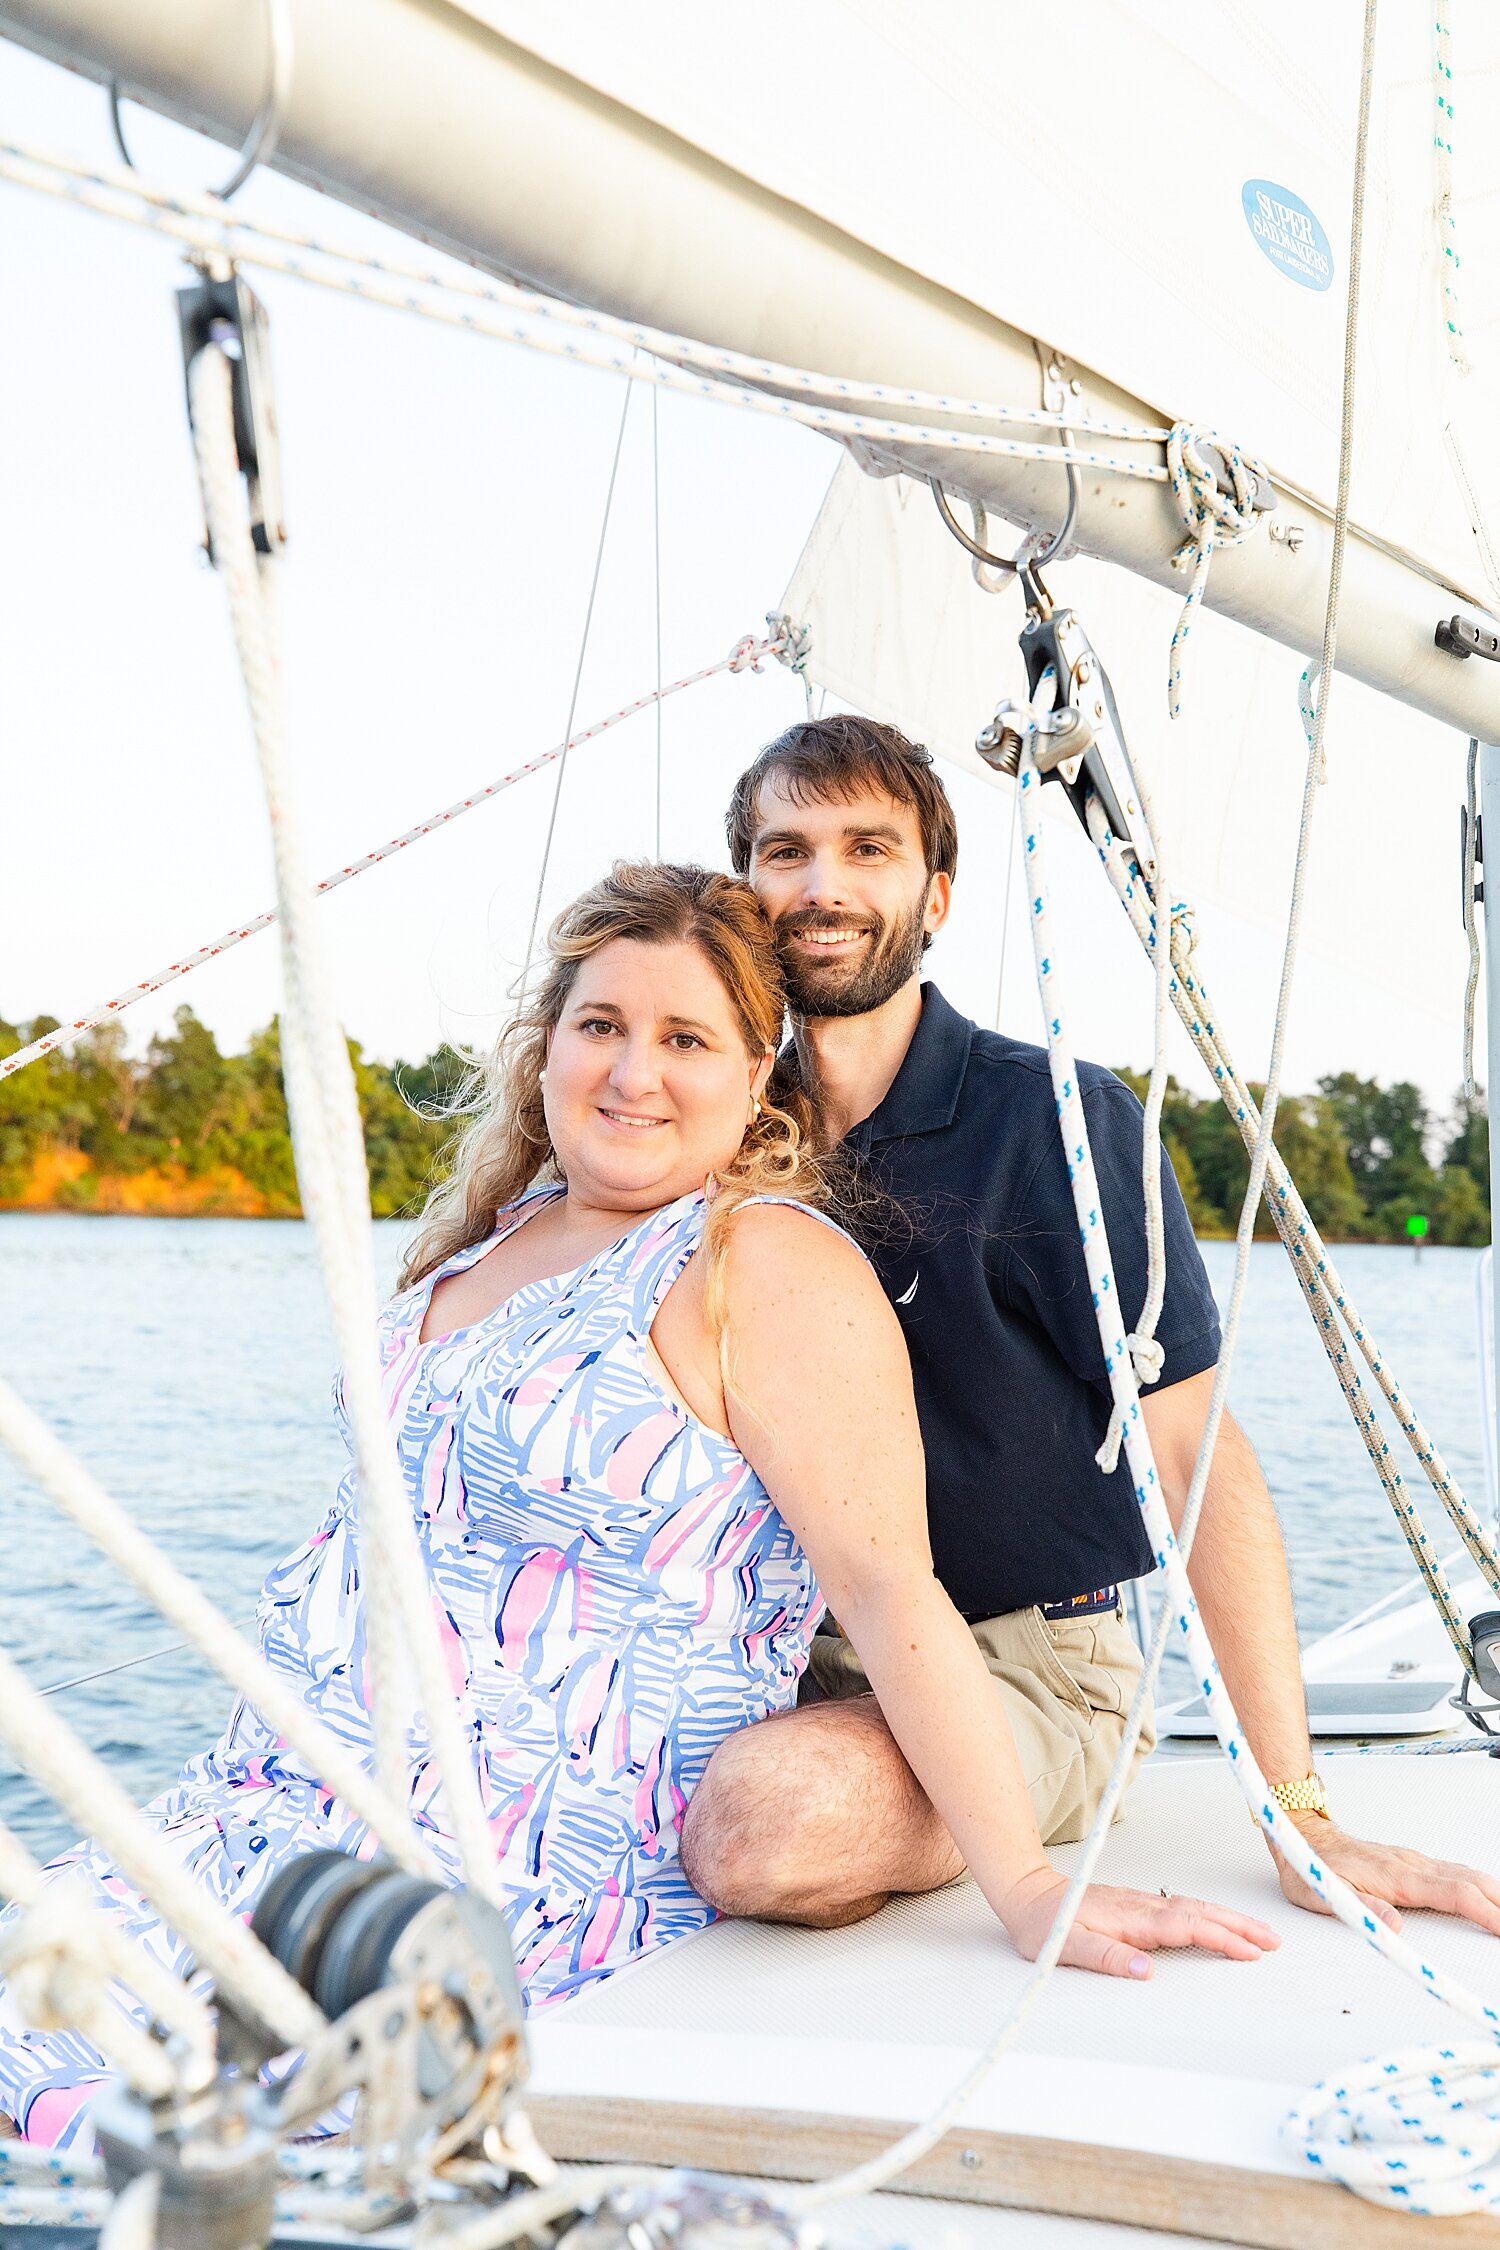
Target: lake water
{"type": "Point", "coordinates": [188, 1363]}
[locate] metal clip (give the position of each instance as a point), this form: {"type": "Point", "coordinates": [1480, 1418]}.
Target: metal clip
{"type": "Point", "coordinates": [225, 310]}
{"type": "Point", "coordinates": [1462, 637]}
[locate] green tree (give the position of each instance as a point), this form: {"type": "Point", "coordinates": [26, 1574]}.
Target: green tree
{"type": "Point", "coordinates": [188, 1095]}
{"type": "Point", "coordinates": [1460, 1214]}
{"type": "Point", "coordinates": [1469, 1140]}
{"type": "Point", "coordinates": [1385, 1131]}
{"type": "Point", "coordinates": [1309, 1140]}
{"type": "Point", "coordinates": [403, 1140]}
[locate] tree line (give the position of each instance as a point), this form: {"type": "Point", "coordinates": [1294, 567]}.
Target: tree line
{"type": "Point", "coordinates": [185, 1127]}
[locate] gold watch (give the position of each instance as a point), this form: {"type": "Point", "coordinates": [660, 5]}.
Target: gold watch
{"type": "Point", "coordinates": [1306, 1795]}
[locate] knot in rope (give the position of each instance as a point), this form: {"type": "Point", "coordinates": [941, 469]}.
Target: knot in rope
{"type": "Point", "coordinates": [1147, 1357]}
{"type": "Point", "coordinates": [1184, 939]}
{"type": "Point", "coordinates": [1213, 518]}
{"type": "Point", "coordinates": [791, 643]}
{"type": "Point", "coordinates": [1419, 2131]}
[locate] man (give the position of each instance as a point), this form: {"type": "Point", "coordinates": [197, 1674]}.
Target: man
{"type": "Point", "coordinates": [814, 1817]}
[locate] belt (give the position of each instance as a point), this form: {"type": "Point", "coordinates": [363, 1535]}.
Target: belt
{"type": "Point", "coordinates": [1082, 1605]}
{"type": "Point", "coordinates": [1079, 1605]}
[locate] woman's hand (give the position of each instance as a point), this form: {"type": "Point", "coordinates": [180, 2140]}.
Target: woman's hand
{"type": "Point", "coordinates": [1115, 1931]}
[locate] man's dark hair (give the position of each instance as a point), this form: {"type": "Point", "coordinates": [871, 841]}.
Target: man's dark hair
{"type": "Point", "coordinates": [823, 761]}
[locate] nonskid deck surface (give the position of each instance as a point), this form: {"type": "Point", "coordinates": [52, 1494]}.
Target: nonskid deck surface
{"type": "Point", "coordinates": [1200, 2063]}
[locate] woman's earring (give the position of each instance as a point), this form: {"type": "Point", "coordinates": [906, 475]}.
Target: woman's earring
{"type": "Point", "coordinates": [541, 1078]}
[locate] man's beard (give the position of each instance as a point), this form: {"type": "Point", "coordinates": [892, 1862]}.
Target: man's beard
{"type": "Point", "coordinates": [851, 987]}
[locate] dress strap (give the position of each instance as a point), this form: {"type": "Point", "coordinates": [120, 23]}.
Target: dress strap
{"type": "Point", "coordinates": [659, 1254]}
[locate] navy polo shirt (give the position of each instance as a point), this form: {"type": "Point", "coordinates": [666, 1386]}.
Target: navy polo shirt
{"type": "Point", "coordinates": [969, 1221]}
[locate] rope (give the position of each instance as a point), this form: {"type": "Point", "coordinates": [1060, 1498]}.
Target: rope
{"type": "Point", "coordinates": [60, 1961]}
{"type": "Point", "coordinates": [1180, 1604]}
{"type": "Point", "coordinates": [1324, 1291]}
{"type": "Point", "coordinates": [1213, 519]}
{"type": "Point", "coordinates": [64, 1480]}
{"type": "Point", "coordinates": [45, 1747]}
{"type": "Point", "coordinates": [1179, 1609]}
{"type": "Point", "coordinates": [1263, 1144]}
{"type": "Point", "coordinates": [1418, 2131]}
{"type": "Point", "coordinates": [502, 310]}
{"type": "Point", "coordinates": [1146, 1354]}
{"type": "Point", "coordinates": [1442, 145]}
{"type": "Point", "coordinates": [744, 656]}
{"type": "Point", "coordinates": [583, 650]}
{"type": "Point", "coordinates": [328, 1142]}
{"type": "Point", "coordinates": [235, 237]}
{"type": "Point", "coordinates": [1471, 927]}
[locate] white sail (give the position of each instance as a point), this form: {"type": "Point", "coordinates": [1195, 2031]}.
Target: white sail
{"type": "Point", "coordinates": [1163, 193]}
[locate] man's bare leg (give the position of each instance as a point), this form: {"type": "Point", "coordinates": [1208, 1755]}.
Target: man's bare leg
{"type": "Point", "coordinates": [813, 1817]}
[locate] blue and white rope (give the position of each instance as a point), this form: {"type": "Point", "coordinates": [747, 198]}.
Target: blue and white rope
{"type": "Point", "coordinates": [1336, 1894]}
{"type": "Point", "coordinates": [1323, 1288]}
{"type": "Point", "coordinates": [1418, 2131]}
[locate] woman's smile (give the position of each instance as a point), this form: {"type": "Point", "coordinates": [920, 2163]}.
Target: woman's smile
{"type": "Point", "coordinates": [631, 1121]}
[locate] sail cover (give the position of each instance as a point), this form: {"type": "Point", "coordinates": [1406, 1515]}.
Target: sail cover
{"type": "Point", "coordinates": [1161, 192]}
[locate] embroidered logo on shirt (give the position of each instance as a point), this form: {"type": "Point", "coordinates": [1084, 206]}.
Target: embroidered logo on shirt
{"type": "Point", "coordinates": [907, 1295]}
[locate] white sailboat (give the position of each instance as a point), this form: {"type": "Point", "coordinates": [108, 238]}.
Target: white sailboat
{"type": "Point", "coordinates": [1116, 221]}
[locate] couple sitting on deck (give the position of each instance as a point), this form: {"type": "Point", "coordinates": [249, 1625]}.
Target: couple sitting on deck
{"type": "Point", "coordinates": [655, 1408]}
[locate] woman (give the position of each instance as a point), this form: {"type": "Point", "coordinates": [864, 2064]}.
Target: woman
{"type": "Point", "coordinates": [652, 1407]}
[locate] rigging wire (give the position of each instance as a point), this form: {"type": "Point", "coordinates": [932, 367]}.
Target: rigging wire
{"type": "Point", "coordinates": [656, 562]}
{"type": "Point", "coordinates": [583, 649]}
{"type": "Point", "coordinates": [127, 1664]}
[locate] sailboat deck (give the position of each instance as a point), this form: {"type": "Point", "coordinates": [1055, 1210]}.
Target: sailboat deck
{"type": "Point", "coordinates": [813, 2031]}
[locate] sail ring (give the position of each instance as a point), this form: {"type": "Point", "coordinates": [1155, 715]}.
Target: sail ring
{"type": "Point", "coordinates": [265, 126]}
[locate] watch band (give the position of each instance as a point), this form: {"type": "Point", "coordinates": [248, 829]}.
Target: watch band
{"type": "Point", "coordinates": [1306, 1795]}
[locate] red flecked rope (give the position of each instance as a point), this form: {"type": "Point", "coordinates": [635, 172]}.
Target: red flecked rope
{"type": "Point", "coordinates": [744, 656]}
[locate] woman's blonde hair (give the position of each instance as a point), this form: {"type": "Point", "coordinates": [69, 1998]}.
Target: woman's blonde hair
{"type": "Point", "coordinates": [506, 1148]}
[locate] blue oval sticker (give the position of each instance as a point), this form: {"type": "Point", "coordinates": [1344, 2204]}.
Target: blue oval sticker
{"type": "Point", "coordinates": [1288, 233]}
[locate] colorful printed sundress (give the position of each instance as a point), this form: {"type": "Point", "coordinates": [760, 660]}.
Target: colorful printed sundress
{"type": "Point", "coordinates": [615, 1591]}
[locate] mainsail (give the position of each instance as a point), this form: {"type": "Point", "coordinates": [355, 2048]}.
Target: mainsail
{"type": "Point", "coordinates": [1161, 193]}
{"type": "Point", "coordinates": [1163, 196]}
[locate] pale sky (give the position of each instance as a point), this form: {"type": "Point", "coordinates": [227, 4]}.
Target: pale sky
{"type": "Point", "coordinates": [444, 495]}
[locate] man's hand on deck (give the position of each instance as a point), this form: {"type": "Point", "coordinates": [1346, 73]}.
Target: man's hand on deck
{"type": "Point", "coordinates": [1116, 1931]}
{"type": "Point", "coordinates": [1389, 1876]}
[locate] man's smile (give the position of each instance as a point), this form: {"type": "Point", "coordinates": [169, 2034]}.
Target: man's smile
{"type": "Point", "coordinates": [848, 933]}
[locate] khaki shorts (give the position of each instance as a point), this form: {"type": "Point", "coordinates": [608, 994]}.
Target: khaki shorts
{"type": "Point", "coordinates": [1066, 1685]}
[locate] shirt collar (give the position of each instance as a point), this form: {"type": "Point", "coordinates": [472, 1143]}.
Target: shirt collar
{"type": "Point", "coordinates": [923, 1095]}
